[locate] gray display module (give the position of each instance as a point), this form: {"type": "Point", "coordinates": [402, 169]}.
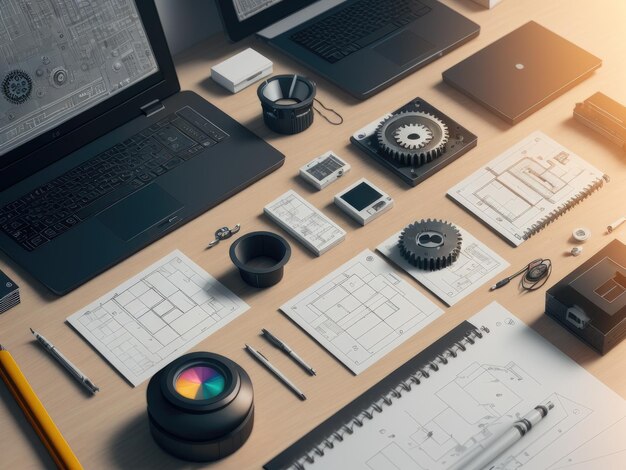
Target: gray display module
{"type": "Point", "coordinates": [58, 58]}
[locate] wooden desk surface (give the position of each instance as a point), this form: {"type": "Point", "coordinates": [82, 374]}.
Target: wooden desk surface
{"type": "Point", "coordinates": [110, 430]}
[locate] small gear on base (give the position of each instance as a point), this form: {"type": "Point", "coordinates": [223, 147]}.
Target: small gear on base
{"type": "Point", "coordinates": [430, 244]}
{"type": "Point", "coordinates": [415, 141]}
{"type": "Point", "coordinates": [412, 137]}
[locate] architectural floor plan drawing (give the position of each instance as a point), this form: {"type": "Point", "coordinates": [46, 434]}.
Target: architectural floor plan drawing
{"type": "Point", "coordinates": [305, 222]}
{"type": "Point", "coordinates": [361, 311]}
{"type": "Point", "coordinates": [156, 316]}
{"type": "Point", "coordinates": [476, 265]}
{"type": "Point", "coordinates": [527, 187]}
{"type": "Point", "coordinates": [449, 418]}
{"type": "Point", "coordinates": [58, 58]}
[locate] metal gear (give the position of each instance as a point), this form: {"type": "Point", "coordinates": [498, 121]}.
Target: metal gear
{"type": "Point", "coordinates": [17, 86]}
{"type": "Point", "coordinates": [412, 137]}
{"type": "Point", "coordinates": [430, 244]}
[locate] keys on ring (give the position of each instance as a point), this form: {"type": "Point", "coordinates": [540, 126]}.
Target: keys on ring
{"type": "Point", "coordinates": [223, 233]}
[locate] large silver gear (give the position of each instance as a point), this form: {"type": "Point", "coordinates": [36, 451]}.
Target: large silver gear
{"type": "Point", "coordinates": [412, 137]}
{"type": "Point", "coordinates": [430, 244]}
{"type": "Point", "coordinates": [17, 86]}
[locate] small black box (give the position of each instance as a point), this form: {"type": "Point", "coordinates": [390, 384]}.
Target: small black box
{"type": "Point", "coordinates": [591, 301]}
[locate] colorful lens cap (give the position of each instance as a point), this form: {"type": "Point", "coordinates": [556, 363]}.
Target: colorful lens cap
{"type": "Point", "coordinates": [199, 383]}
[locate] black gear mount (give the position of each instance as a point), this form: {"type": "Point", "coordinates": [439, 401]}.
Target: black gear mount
{"type": "Point", "coordinates": [430, 244]}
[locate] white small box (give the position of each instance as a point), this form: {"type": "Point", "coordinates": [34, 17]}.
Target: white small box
{"type": "Point", "coordinates": [241, 70]}
{"type": "Point", "coordinates": [488, 3]}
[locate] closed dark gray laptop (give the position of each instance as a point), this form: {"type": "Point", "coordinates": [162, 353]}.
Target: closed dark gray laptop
{"type": "Point", "coordinates": [521, 72]}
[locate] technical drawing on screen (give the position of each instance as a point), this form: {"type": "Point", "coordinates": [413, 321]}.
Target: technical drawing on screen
{"type": "Point", "coordinates": [58, 58]}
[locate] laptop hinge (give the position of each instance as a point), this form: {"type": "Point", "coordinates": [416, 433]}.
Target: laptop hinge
{"type": "Point", "coordinates": [152, 108]}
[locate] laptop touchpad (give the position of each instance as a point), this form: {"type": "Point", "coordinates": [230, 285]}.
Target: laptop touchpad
{"type": "Point", "coordinates": [139, 212]}
{"type": "Point", "coordinates": [404, 47]}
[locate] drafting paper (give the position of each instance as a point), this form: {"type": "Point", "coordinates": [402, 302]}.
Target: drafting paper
{"type": "Point", "coordinates": [459, 409]}
{"type": "Point", "coordinates": [361, 311]}
{"type": "Point", "coordinates": [527, 187]}
{"type": "Point", "coordinates": [476, 265]}
{"type": "Point", "coordinates": [158, 315]}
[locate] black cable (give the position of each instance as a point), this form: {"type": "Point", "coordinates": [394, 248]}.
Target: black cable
{"type": "Point", "coordinates": [339, 116]}
{"type": "Point", "coordinates": [536, 274]}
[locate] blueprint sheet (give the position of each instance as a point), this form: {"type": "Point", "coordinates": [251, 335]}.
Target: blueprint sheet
{"type": "Point", "coordinates": [476, 265]}
{"type": "Point", "coordinates": [361, 311]}
{"type": "Point", "coordinates": [459, 409]}
{"type": "Point", "coordinates": [155, 317]}
{"type": "Point", "coordinates": [527, 186]}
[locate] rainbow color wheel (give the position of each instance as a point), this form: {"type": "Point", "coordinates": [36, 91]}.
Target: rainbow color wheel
{"type": "Point", "coordinates": [199, 383]}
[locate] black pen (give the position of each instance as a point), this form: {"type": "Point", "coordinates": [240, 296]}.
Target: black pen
{"type": "Point", "coordinates": [282, 346]}
{"type": "Point", "coordinates": [263, 360]}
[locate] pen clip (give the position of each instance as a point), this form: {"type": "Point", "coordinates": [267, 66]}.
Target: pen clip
{"type": "Point", "coordinates": [272, 339]}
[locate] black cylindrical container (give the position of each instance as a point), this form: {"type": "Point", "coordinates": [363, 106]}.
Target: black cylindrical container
{"type": "Point", "coordinates": [287, 102]}
{"type": "Point", "coordinates": [260, 257]}
{"type": "Point", "coordinates": [201, 407]}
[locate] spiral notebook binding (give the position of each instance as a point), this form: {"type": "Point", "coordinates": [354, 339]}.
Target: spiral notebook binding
{"type": "Point", "coordinates": [386, 400]}
{"type": "Point", "coordinates": [565, 207]}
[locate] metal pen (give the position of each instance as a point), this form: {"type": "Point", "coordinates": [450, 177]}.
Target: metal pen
{"type": "Point", "coordinates": [65, 362]}
{"type": "Point", "coordinates": [290, 352]}
{"type": "Point", "coordinates": [263, 360]}
{"type": "Point", "coordinates": [505, 441]}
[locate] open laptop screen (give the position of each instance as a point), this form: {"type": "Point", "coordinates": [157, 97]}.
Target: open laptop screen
{"type": "Point", "coordinates": [248, 8]}
{"type": "Point", "coordinates": [244, 17]}
{"type": "Point", "coordinates": [60, 58]}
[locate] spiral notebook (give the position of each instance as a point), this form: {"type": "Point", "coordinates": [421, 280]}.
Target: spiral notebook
{"type": "Point", "coordinates": [527, 187]}
{"type": "Point", "coordinates": [444, 406]}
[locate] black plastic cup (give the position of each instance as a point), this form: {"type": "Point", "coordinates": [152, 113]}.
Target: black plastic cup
{"type": "Point", "coordinates": [260, 258]}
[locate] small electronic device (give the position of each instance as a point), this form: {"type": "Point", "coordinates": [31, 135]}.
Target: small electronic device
{"type": "Point", "coordinates": [415, 141]}
{"type": "Point", "coordinates": [201, 407]}
{"type": "Point", "coordinates": [363, 201]}
{"type": "Point", "coordinates": [9, 293]}
{"type": "Point", "coordinates": [323, 170]}
{"type": "Point", "coordinates": [603, 115]}
{"type": "Point", "coordinates": [591, 301]}
{"type": "Point", "coordinates": [241, 70]}
{"type": "Point", "coordinates": [305, 222]}
{"type": "Point", "coordinates": [528, 68]}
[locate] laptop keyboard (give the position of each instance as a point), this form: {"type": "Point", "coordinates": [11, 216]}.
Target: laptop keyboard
{"type": "Point", "coordinates": [348, 30]}
{"type": "Point", "coordinates": [55, 207]}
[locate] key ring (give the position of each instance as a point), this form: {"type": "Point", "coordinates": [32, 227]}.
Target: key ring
{"type": "Point", "coordinates": [223, 233]}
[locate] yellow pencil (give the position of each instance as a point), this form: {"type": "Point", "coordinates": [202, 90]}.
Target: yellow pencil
{"type": "Point", "coordinates": [36, 414]}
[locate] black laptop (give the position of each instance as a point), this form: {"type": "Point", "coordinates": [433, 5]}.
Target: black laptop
{"type": "Point", "coordinates": [527, 69]}
{"type": "Point", "coordinates": [363, 46]}
{"type": "Point", "coordinates": [100, 152]}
